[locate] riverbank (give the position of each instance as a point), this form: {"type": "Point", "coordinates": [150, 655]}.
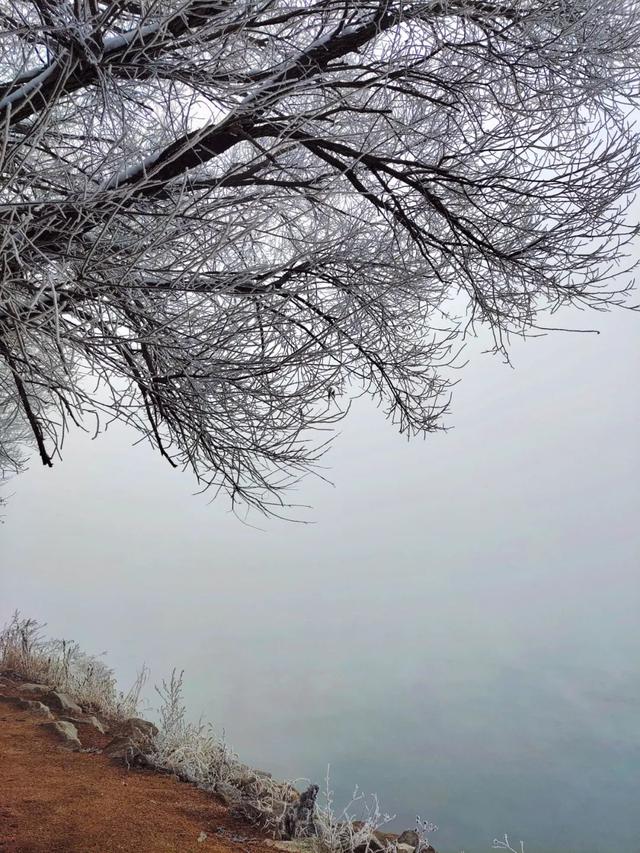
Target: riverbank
{"type": "Point", "coordinates": [82, 772]}
{"type": "Point", "coordinates": [61, 797]}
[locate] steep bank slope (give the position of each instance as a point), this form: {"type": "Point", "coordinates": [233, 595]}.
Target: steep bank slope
{"type": "Point", "coordinates": [53, 800]}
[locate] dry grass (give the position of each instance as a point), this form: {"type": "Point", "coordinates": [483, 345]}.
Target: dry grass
{"type": "Point", "coordinates": [62, 665]}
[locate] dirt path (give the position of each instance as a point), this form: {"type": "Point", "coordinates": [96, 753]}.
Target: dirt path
{"type": "Point", "coordinates": [54, 801]}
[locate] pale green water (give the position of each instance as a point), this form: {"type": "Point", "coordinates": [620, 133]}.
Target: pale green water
{"type": "Point", "coordinates": [458, 631]}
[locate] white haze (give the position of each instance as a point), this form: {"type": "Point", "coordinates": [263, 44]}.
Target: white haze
{"type": "Point", "coordinates": [457, 630]}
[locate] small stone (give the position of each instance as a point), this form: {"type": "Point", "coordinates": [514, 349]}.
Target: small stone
{"type": "Point", "coordinates": [385, 839]}
{"type": "Point", "coordinates": [62, 703]}
{"type": "Point", "coordinates": [202, 837]}
{"type": "Point", "coordinates": [377, 843]}
{"type": "Point", "coordinates": [66, 731]}
{"type": "Point", "coordinates": [126, 749]}
{"type": "Point", "coordinates": [33, 688]}
{"type": "Point", "coordinates": [117, 747]}
{"type": "Point", "coordinates": [96, 723]}
{"type": "Point", "coordinates": [89, 720]}
{"type": "Point", "coordinates": [139, 734]}
{"type": "Point", "coordinates": [135, 725]}
{"type": "Point", "coordinates": [410, 837]}
{"type": "Point", "coordinates": [35, 708]}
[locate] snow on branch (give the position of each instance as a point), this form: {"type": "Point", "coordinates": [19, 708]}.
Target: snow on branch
{"type": "Point", "coordinates": [220, 220]}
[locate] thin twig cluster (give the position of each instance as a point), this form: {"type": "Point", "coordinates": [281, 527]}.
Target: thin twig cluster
{"type": "Point", "coordinates": [220, 219]}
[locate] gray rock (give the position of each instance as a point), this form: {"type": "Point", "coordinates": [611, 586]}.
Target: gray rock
{"type": "Point", "coordinates": [61, 703]}
{"type": "Point", "coordinates": [89, 720]}
{"type": "Point", "coordinates": [405, 848]}
{"type": "Point", "coordinates": [66, 732]}
{"type": "Point", "coordinates": [31, 689]}
{"type": "Point", "coordinates": [35, 708]}
{"type": "Point", "coordinates": [135, 725]}
{"type": "Point", "coordinates": [378, 841]}
{"type": "Point", "coordinates": [126, 749]}
{"type": "Point", "coordinates": [96, 723]}
{"type": "Point", "coordinates": [120, 747]}
{"type": "Point", "coordinates": [139, 733]}
{"type": "Point", "coordinates": [410, 837]}
{"type": "Point", "coordinates": [230, 794]}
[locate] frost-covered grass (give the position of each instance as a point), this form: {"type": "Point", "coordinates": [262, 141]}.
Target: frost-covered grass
{"type": "Point", "coordinates": [505, 844]}
{"type": "Point", "coordinates": [188, 749]}
{"type": "Point", "coordinates": [353, 827]}
{"type": "Point", "coordinates": [62, 665]}
{"type": "Point", "coordinates": [194, 751]}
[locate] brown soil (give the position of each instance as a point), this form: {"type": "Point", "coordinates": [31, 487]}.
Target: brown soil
{"type": "Point", "coordinates": [55, 801]}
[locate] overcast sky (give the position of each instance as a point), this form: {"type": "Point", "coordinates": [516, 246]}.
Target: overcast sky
{"type": "Point", "coordinates": [540, 459]}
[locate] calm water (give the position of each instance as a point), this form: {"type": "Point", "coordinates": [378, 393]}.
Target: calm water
{"type": "Point", "coordinates": [458, 631]}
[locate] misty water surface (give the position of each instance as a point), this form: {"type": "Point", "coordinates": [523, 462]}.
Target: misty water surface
{"type": "Point", "coordinates": [458, 631]}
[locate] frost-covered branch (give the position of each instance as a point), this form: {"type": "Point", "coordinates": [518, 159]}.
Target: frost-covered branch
{"type": "Point", "coordinates": [218, 220]}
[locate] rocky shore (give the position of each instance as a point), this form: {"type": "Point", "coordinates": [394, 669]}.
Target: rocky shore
{"type": "Point", "coordinates": [249, 804]}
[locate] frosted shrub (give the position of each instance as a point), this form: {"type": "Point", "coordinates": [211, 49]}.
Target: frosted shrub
{"type": "Point", "coordinates": [192, 751]}
{"type": "Point", "coordinates": [343, 831]}
{"type": "Point", "coordinates": [505, 844]}
{"type": "Point", "coordinates": [223, 220]}
{"type": "Point", "coordinates": [196, 753]}
{"type": "Point", "coordinates": [424, 828]}
{"type": "Point", "coordinates": [62, 665]}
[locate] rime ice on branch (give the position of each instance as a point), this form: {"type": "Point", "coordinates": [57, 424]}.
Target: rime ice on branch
{"type": "Point", "coordinates": [218, 219]}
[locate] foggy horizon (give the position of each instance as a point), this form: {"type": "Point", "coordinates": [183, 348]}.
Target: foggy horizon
{"type": "Point", "coordinates": [497, 560]}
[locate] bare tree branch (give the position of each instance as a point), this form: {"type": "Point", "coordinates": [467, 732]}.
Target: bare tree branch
{"type": "Point", "coordinates": [219, 220]}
